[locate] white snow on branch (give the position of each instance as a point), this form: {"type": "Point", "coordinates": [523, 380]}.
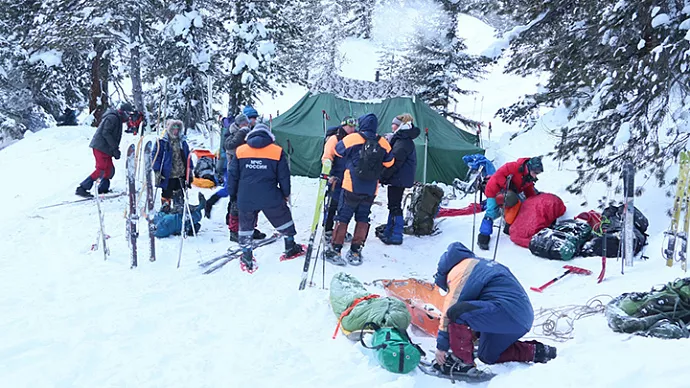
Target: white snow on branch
{"type": "Point", "coordinates": [245, 60]}
{"type": "Point", "coordinates": [495, 49]}
{"type": "Point", "coordinates": [623, 135]}
{"type": "Point", "coordinates": [660, 20]}
{"type": "Point", "coordinates": [48, 57]}
{"type": "Point", "coordinates": [641, 44]}
{"type": "Point", "coordinates": [685, 25]}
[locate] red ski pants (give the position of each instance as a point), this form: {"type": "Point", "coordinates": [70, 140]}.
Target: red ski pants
{"type": "Point", "coordinates": [104, 165]}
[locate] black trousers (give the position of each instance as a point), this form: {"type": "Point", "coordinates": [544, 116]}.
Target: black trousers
{"type": "Point", "coordinates": [174, 184]}
{"type": "Point", "coordinates": [395, 197]}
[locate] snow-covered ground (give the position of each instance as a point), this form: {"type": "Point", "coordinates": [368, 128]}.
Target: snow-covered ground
{"type": "Point", "coordinates": [70, 319]}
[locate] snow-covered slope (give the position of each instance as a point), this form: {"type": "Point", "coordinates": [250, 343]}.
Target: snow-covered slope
{"type": "Point", "coordinates": [69, 319]}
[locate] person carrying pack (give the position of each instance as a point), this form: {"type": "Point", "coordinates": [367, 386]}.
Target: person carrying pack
{"type": "Point", "coordinates": [365, 154]}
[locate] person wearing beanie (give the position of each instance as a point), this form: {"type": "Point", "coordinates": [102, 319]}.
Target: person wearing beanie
{"type": "Point", "coordinates": [252, 115]}
{"type": "Point", "coordinates": [259, 181]}
{"type": "Point", "coordinates": [236, 136]}
{"type": "Point", "coordinates": [399, 176]}
{"type": "Point", "coordinates": [523, 174]}
{"type": "Point", "coordinates": [335, 180]}
{"type": "Point", "coordinates": [106, 146]}
{"type": "Point", "coordinates": [360, 183]}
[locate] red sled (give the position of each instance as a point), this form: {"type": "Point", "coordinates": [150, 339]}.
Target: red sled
{"type": "Point", "coordinates": [422, 299]}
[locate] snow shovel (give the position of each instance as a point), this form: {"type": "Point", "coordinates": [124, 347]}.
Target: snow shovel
{"type": "Point", "coordinates": [570, 269]}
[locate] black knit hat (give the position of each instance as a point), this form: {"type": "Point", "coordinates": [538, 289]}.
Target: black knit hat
{"type": "Point", "coordinates": [534, 164]}
{"type": "Point", "coordinates": [126, 107]}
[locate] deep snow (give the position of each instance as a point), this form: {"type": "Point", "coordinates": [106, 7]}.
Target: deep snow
{"type": "Point", "coordinates": [69, 319]}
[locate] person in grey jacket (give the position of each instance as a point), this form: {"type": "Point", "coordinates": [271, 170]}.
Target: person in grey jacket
{"type": "Point", "coordinates": [105, 145]}
{"type": "Point", "coordinates": [236, 136]}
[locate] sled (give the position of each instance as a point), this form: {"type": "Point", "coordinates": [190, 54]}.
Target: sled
{"type": "Point", "coordinates": [422, 299]}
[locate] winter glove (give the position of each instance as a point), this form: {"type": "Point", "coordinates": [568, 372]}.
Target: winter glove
{"type": "Point", "coordinates": [116, 153]}
{"type": "Point", "coordinates": [491, 208]}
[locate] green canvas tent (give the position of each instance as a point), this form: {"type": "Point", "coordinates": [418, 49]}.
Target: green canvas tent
{"type": "Point", "coordinates": [302, 128]}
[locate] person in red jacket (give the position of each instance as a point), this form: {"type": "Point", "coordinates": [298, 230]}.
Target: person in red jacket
{"type": "Point", "coordinates": [523, 173]}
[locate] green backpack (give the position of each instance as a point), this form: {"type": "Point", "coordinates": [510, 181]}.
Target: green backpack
{"type": "Point", "coordinates": [394, 350]}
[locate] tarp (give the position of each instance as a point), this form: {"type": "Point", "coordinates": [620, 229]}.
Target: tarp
{"type": "Point", "coordinates": [303, 126]}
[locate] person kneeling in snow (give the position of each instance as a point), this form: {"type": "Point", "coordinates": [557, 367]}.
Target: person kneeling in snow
{"type": "Point", "coordinates": [484, 297]}
{"type": "Point", "coordinates": [252, 177]}
{"type": "Point", "coordinates": [523, 173]}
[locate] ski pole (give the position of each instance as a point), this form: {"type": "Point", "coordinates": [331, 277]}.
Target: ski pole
{"type": "Point", "coordinates": [426, 150]}
{"type": "Point", "coordinates": [500, 228]}
{"type": "Point", "coordinates": [474, 218]}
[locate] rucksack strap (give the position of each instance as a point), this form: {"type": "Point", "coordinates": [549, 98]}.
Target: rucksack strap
{"type": "Point", "coordinates": [361, 335]}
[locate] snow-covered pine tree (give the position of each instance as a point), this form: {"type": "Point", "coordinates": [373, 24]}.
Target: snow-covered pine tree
{"type": "Point", "coordinates": [620, 67]}
{"type": "Point", "coordinates": [437, 61]}
{"type": "Point", "coordinates": [359, 20]}
{"type": "Point", "coordinates": [191, 46]}
{"type": "Point", "coordinates": [331, 32]}
{"type": "Point", "coordinates": [290, 25]}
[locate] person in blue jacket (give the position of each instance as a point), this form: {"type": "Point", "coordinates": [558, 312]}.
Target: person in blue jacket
{"type": "Point", "coordinates": [172, 166]}
{"type": "Point", "coordinates": [485, 298]}
{"type": "Point", "coordinates": [259, 181]}
{"type": "Point", "coordinates": [358, 193]}
{"type": "Point", "coordinates": [335, 180]}
{"type": "Point", "coordinates": [399, 176]}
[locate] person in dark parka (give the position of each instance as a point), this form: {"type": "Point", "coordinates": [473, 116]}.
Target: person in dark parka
{"type": "Point", "coordinates": [483, 297]}
{"type": "Point", "coordinates": [105, 145]}
{"type": "Point", "coordinates": [399, 176]}
{"type": "Point", "coordinates": [259, 181]}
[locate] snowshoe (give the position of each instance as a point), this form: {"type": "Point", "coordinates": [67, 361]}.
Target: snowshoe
{"type": "Point", "coordinates": [354, 257]}
{"type": "Point", "coordinates": [248, 262]}
{"type": "Point", "coordinates": [82, 192]}
{"type": "Point", "coordinates": [296, 251]}
{"type": "Point", "coordinates": [258, 235]}
{"type": "Point", "coordinates": [456, 371]}
{"type": "Point", "coordinates": [332, 256]}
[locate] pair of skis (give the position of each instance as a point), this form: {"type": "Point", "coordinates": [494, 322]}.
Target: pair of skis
{"type": "Point", "coordinates": [681, 207]}
{"type": "Point", "coordinates": [219, 262]}
{"type": "Point", "coordinates": [132, 216]}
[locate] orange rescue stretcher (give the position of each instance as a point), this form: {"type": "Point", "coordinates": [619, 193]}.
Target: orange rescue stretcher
{"type": "Point", "coordinates": [423, 301]}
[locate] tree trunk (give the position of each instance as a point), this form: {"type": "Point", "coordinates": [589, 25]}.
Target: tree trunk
{"type": "Point", "coordinates": [98, 97]}
{"type": "Point", "coordinates": [135, 67]}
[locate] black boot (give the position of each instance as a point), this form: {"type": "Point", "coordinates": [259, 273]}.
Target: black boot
{"type": "Point", "coordinates": [209, 205]}
{"type": "Point", "coordinates": [506, 228]}
{"type": "Point", "coordinates": [291, 248]}
{"type": "Point", "coordinates": [234, 237]}
{"type": "Point", "coordinates": [543, 353]}
{"type": "Point", "coordinates": [483, 241]}
{"type": "Point", "coordinates": [453, 366]}
{"type": "Point", "coordinates": [82, 192]}
{"type": "Point", "coordinates": [258, 235]}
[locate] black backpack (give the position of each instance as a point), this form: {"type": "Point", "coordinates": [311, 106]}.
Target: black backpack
{"type": "Point", "coordinates": [425, 201]}
{"type": "Point", "coordinates": [370, 165]}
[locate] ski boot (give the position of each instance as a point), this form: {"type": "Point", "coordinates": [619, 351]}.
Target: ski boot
{"type": "Point", "coordinates": [292, 249]}
{"type": "Point", "coordinates": [483, 241]}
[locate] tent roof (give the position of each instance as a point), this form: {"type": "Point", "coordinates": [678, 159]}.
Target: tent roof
{"type": "Point", "coordinates": [303, 125]}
